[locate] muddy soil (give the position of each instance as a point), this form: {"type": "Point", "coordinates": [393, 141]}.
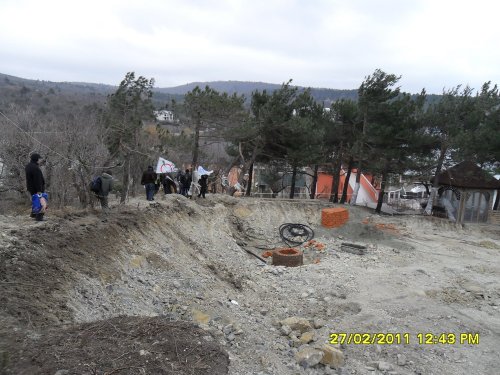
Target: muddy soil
{"type": "Point", "coordinates": [173, 286]}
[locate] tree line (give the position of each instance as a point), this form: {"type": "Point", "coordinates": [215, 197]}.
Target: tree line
{"type": "Point", "coordinates": [385, 131]}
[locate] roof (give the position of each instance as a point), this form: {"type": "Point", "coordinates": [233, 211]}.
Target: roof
{"type": "Point", "coordinates": [467, 175]}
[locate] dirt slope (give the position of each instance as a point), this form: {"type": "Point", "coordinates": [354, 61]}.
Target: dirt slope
{"type": "Point", "coordinates": [178, 272]}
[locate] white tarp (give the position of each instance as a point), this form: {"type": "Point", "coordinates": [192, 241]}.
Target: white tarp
{"type": "Point", "coordinates": [202, 171]}
{"type": "Point", "coordinates": [165, 166]}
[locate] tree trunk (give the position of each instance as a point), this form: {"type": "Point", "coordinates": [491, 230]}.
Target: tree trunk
{"type": "Point", "coordinates": [230, 166]}
{"type": "Point", "coordinates": [346, 183]}
{"type": "Point", "coordinates": [249, 182]}
{"type": "Point", "coordinates": [312, 194]}
{"type": "Point", "coordinates": [247, 165]}
{"type": "Point", "coordinates": [334, 195]}
{"type": "Point", "coordinates": [356, 185]}
{"type": "Point", "coordinates": [495, 205]}
{"type": "Point", "coordinates": [126, 179]}
{"type": "Point", "coordinates": [81, 186]}
{"type": "Point", "coordinates": [382, 192]}
{"type": "Point", "coordinates": [196, 144]}
{"type": "Point", "coordinates": [435, 185]}
{"type": "Point", "coordinates": [292, 186]}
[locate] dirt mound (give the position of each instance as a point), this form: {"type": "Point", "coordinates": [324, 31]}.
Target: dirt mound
{"type": "Point", "coordinates": [124, 345]}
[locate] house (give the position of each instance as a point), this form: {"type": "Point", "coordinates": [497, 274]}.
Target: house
{"type": "Point", "coordinates": [164, 115]}
{"type": "Point", "coordinates": [466, 193]}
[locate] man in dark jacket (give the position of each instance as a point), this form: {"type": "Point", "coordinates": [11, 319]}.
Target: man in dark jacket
{"type": "Point", "coordinates": [169, 186]}
{"type": "Point", "coordinates": [187, 185]}
{"type": "Point", "coordinates": [148, 180]}
{"type": "Point", "coordinates": [203, 181]}
{"type": "Point", "coordinates": [106, 187]}
{"type": "Point", "coordinates": [35, 183]}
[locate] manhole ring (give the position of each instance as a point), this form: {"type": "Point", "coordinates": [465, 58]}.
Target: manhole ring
{"type": "Point", "coordinates": [288, 257]}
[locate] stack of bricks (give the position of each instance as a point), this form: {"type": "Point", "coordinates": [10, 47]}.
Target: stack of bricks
{"type": "Point", "coordinates": [334, 217]}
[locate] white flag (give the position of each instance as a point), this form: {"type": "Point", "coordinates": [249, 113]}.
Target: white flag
{"type": "Point", "coordinates": [165, 166]}
{"type": "Point", "coordinates": [202, 171]}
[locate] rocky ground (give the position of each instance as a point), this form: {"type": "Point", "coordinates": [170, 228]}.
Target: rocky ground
{"type": "Point", "coordinates": [172, 288]}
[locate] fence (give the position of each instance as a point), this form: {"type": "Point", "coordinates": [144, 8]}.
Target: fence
{"type": "Point", "coordinates": [401, 200]}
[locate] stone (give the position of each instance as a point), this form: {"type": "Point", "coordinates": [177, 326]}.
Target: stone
{"type": "Point", "coordinates": [285, 330]}
{"type": "Point", "coordinates": [472, 287]}
{"type": "Point", "coordinates": [307, 337]}
{"type": "Point", "coordinates": [318, 323]}
{"type": "Point", "coordinates": [279, 346]}
{"type": "Point", "coordinates": [200, 317]}
{"type": "Point", "coordinates": [62, 372]}
{"type": "Point", "coordinates": [228, 329]}
{"type": "Point", "coordinates": [401, 360]}
{"type": "Point", "coordinates": [176, 284]}
{"type": "Point", "coordinates": [385, 366]}
{"type": "Point", "coordinates": [297, 324]}
{"type": "Point", "coordinates": [332, 356]}
{"type": "Point", "coordinates": [308, 357]}
{"type": "Point", "coordinates": [294, 341]}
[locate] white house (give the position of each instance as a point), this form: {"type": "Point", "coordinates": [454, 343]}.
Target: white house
{"type": "Point", "coordinates": [164, 115]}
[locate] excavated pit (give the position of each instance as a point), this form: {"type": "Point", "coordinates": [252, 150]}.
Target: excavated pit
{"type": "Point", "coordinates": [171, 286]}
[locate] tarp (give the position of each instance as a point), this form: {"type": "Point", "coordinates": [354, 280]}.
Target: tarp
{"type": "Point", "coordinates": [165, 166]}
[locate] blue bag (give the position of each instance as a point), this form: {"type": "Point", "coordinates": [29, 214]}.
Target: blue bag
{"type": "Point", "coordinates": [36, 205]}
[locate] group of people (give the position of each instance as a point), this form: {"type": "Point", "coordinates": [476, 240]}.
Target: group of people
{"type": "Point", "coordinates": [181, 183]}
{"type": "Point", "coordinates": [35, 185]}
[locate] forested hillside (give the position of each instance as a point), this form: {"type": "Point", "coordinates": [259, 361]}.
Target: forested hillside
{"type": "Point", "coordinates": [62, 97]}
{"type": "Point", "coordinates": [321, 95]}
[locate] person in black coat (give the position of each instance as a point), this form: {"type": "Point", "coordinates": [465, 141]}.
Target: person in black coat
{"type": "Point", "coordinates": [35, 183]}
{"type": "Point", "coordinates": [187, 186]}
{"type": "Point", "coordinates": [169, 186]}
{"type": "Point", "coordinates": [203, 181]}
{"type": "Point", "coordinates": [149, 180]}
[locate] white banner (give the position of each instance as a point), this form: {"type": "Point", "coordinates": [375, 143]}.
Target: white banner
{"type": "Point", "coordinates": [202, 171]}
{"type": "Point", "coordinates": [165, 166]}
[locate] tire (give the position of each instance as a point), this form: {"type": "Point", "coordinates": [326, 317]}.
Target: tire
{"type": "Point", "coordinates": [288, 257]}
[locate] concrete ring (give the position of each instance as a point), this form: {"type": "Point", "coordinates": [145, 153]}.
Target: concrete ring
{"type": "Point", "coordinates": [288, 257]}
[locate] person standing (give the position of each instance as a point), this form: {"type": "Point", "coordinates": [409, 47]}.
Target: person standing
{"type": "Point", "coordinates": [35, 184]}
{"type": "Point", "coordinates": [181, 180]}
{"type": "Point", "coordinates": [106, 187]}
{"type": "Point", "coordinates": [203, 181]}
{"type": "Point", "coordinates": [186, 183]}
{"type": "Point", "coordinates": [148, 180]}
{"type": "Point", "coordinates": [194, 187]}
{"type": "Point", "coordinates": [169, 186]}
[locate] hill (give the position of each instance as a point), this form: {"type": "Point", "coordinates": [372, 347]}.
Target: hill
{"type": "Point", "coordinates": [59, 97]}
{"type": "Point", "coordinates": [323, 95]}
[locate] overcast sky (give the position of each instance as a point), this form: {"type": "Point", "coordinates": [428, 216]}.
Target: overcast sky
{"type": "Point", "coordinates": [434, 44]}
